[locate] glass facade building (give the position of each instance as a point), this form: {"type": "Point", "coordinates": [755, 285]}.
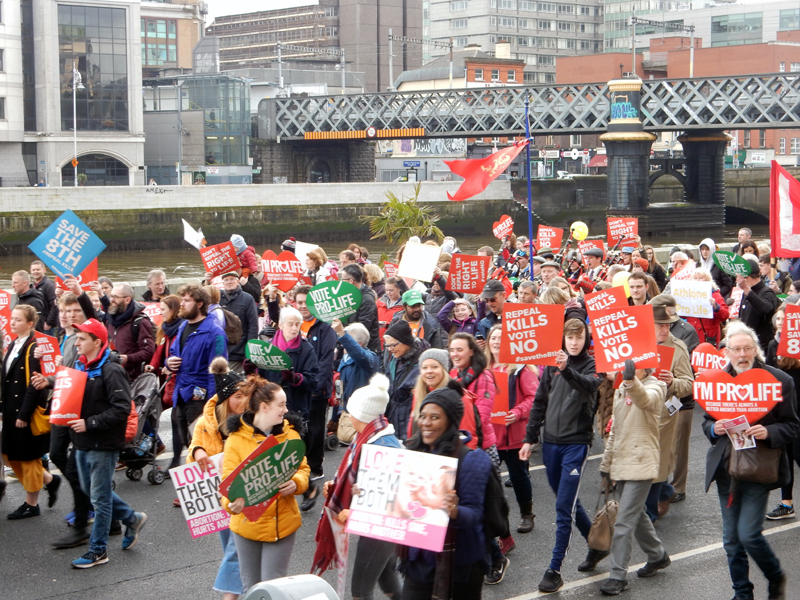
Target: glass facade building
{"type": "Point", "coordinates": [159, 42]}
{"type": "Point", "coordinates": [733, 30]}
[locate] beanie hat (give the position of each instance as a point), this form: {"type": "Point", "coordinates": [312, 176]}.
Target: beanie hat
{"type": "Point", "coordinates": [238, 243]}
{"type": "Point", "coordinates": [226, 381]}
{"type": "Point", "coordinates": [289, 244]}
{"type": "Point", "coordinates": [449, 401]}
{"type": "Point", "coordinates": [369, 402]}
{"type": "Point", "coordinates": [401, 331]}
{"type": "Point", "coordinates": [437, 354]}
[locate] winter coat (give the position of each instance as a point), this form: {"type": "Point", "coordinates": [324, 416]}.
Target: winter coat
{"type": "Point", "coordinates": [681, 387]}
{"type": "Point", "coordinates": [147, 295]}
{"type": "Point", "coordinates": [33, 297]}
{"type": "Point", "coordinates": [379, 287]}
{"type": "Point", "coordinates": [632, 447]}
{"type": "Point", "coordinates": [659, 275]}
{"type": "Point", "coordinates": [282, 518]}
{"type": "Point", "coordinates": [451, 326]}
{"type": "Point", "coordinates": [249, 262]}
{"type": "Point", "coordinates": [367, 315]}
{"type": "Point", "coordinates": [322, 338]}
{"type": "Point", "coordinates": [318, 275]}
{"type": "Point", "coordinates": [756, 312]}
{"type": "Point", "coordinates": [724, 281]}
{"type": "Point", "coordinates": [435, 303]}
{"type": "Point", "coordinates": [356, 368]}
{"type": "Point", "coordinates": [49, 316]}
{"type": "Point", "coordinates": [140, 350]}
{"type": "Point", "coordinates": [431, 331]}
{"type": "Point", "coordinates": [304, 362]}
{"type": "Point", "coordinates": [523, 382]}
{"type": "Point", "coordinates": [485, 324]}
{"type": "Point", "coordinates": [484, 389]}
{"type": "Point", "coordinates": [206, 432]}
{"type": "Point", "coordinates": [242, 305]}
{"type": "Point", "coordinates": [711, 328]}
{"type": "Point", "coordinates": [20, 400]}
{"type": "Point", "coordinates": [106, 404]}
{"type": "Point", "coordinates": [201, 347]}
{"type": "Point", "coordinates": [386, 314]}
{"type": "Point", "coordinates": [781, 422]}
{"type": "Point", "coordinates": [402, 373]}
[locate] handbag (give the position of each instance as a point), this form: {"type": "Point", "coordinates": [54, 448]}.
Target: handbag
{"type": "Point", "coordinates": [605, 516]}
{"type": "Point", "coordinates": [759, 464]}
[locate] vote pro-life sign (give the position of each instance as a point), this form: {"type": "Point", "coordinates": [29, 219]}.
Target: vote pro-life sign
{"type": "Point", "coordinates": [67, 246]}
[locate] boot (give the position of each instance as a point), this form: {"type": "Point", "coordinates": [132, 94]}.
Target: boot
{"type": "Point", "coordinates": [526, 518]}
{"type": "Point", "coordinates": [75, 538]}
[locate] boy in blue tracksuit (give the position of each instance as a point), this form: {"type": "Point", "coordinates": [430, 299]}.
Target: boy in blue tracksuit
{"type": "Point", "coordinates": [565, 404]}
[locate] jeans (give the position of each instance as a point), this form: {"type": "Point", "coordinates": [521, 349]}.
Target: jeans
{"type": "Point", "coordinates": [375, 563]}
{"type": "Point", "coordinates": [228, 578]}
{"type": "Point", "coordinates": [632, 521]}
{"type": "Point", "coordinates": [518, 474]}
{"type": "Point", "coordinates": [742, 527]}
{"type": "Point", "coordinates": [65, 461]}
{"type": "Point", "coordinates": [471, 589]}
{"type": "Point", "coordinates": [96, 471]}
{"type": "Point", "coordinates": [564, 465]}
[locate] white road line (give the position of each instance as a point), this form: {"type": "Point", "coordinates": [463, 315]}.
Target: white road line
{"type": "Point", "coordinates": [540, 467]}
{"type": "Point", "coordinates": [675, 557]}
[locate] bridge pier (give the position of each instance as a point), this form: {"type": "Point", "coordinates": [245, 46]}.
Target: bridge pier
{"type": "Point", "coordinates": [704, 166]}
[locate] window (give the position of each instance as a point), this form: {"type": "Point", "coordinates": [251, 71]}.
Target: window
{"type": "Point", "coordinates": [529, 77]}
{"type": "Point", "coordinates": [584, 27]}
{"type": "Point", "coordinates": [762, 138]}
{"type": "Point", "coordinates": [1, 12]}
{"type": "Point", "coordinates": [527, 5]}
{"type": "Point", "coordinates": [547, 61]}
{"type": "Point", "coordinates": [549, 140]}
{"type": "Point", "coordinates": [795, 145]}
{"type": "Point", "coordinates": [565, 26]}
{"type": "Point", "coordinates": [731, 30]}
{"type": "Point", "coordinates": [547, 25]}
{"type": "Point", "coordinates": [478, 74]}
{"type": "Point", "coordinates": [746, 138]}
{"type": "Point", "coordinates": [509, 22]}
{"type": "Point", "coordinates": [331, 32]}
{"type": "Point", "coordinates": [574, 140]}
{"type": "Point", "coordinates": [566, 44]}
{"type": "Point", "coordinates": [782, 147]}
{"type": "Point", "coordinates": [525, 23]}
{"type": "Point", "coordinates": [2, 109]}
{"type": "Point", "coordinates": [508, 4]}
{"type": "Point", "coordinates": [525, 41]}
{"type": "Point", "coordinates": [547, 7]}
{"type": "Point", "coordinates": [794, 67]}
{"type": "Point", "coordinates": [585, 11]}
{"type": "Point", "coordinates": [495, 74]}
{"type": "Point", "coordinates": [789, 19]}
{"type": "Point", "coordinates": [458, 6]}
{"type": "Point", "coordinates": [566, 9]}
{"type": "Point", "coordinates": [331, 11]}
{"type": "Point", "coordinates": [458, 24]}
{"type": "Point", "coordinates": [547, 42]}
{"type": "Point", "coordinates": [2, 60]}
{"type": "Point", "coordinates": [460, 42]}
{"type": "Point", "coordinates": [159, 41]}
{"type": "Point", "coordinates": [782, 67]}
{"type": "Point", "coordinates": [512, 76]}
{"type": "Point", "coordinates": [584, 45]}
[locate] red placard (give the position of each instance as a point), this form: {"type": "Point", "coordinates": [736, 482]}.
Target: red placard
{"type": "Point", "coordinates": [220, 258]}
{"type": "Point", "coordinates": [500, 407]}
{"type": "Point", "coordinates": [737, 294]}
{"type": "Point", "coordinates": [789, 345]}
{"type": "Point", "coordinates": [532, 333]}
{"type": "Point", "coordinates": [604, 299]}
{"type": "Point", "coordinates": [665, 356]}
{"type": "Point", "coordinates": [49, 347]}
{"type": "Point", "coordinates": [549, 237]}
{"type": "Point", "coordinates": [86, 277]}
{"type": "Point", "coordinates": [502, 228]}
{"type": "Point", "coordinates": [283, 270]}
{"type": "Point", "coordinates": [617, 227]}
{"type": "Point", "coordinates": [584, 245]}
{"type": "Point", "coordinates": [623, 333]}
{"type": "Point", "coordinates": [153, 310]}
{"type": "Point", "coordinates": [706, 357]}
{"type": "Point", "coordinates": [753, 393]}
{"type": "Point", "coordinates": [5, 319]}
{"type": "Point", "coordinates": [468, 274]}
{"type": "Point", "coordinates": [67, 395]}
{"type": "Point", "coordinates": [390, 269]}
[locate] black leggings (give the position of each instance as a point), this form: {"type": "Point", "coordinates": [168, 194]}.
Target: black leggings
{"type": "Point", "coordinates": [467, 590]}
{"type": "Point", "coordinates": [375, 564]}
{"type": "Point", "coordinates": [315, 435]}
{"type": "Point", "coordinates": [793, 453]}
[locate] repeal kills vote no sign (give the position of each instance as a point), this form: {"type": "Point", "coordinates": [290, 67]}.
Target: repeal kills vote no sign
{"type": "Point", "coordinates": [624, 333]}
{"type": "Point", "coordinates": [532, 333]}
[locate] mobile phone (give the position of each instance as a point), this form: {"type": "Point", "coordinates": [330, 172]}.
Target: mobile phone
{"type": "Point", "coordinates": [479, 336]}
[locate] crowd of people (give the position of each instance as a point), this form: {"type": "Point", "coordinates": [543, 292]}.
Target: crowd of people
{"type": "Point", "coordinates": [417, 366]}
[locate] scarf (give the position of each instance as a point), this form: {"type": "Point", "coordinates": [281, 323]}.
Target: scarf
{"type": "Point", "coordinates": [340, 495]}
{"type": "Point", "coordinates": [280, 342]}
{"type": "Point", "coordinates": [466, 377]}
{"type": "Point", "coordinates": [120, 319]}
{"type": "Point", "coordinates": [171, 329]}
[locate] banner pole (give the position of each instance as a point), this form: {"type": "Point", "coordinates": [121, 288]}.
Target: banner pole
{"type": "Point", "coordinates": [528, 169]}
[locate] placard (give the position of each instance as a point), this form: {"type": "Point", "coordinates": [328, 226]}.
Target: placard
{"type": "Point", "coordinates": [665, 356]}
{"type": "Point", "coordinates": [67, 246]}
{"type": "Point", "coordinates": [625, 229]}
{"type": "Point", "coordinates": [500, 407]}
{"type": "Point", "coordinates": [624, 333]}
{"type": "Point", "coordinates": [331, 300]}
{"type": "Point", "coordinates": [283, 270]}
{"type": "Point", "coordinates": [604, 299]}
{"type": "Point", "coordinates": [737, 294]}
{"type": "Point", "coordinates": [468, 274]}
{"type": "Point", "coordinates": [48, 345]}
{"type": "Point", "coordinates": [85, 278]}
{"type": "Point", "coordinates": [153, 310]}
{"type": "Point", "coordinates": [220, 258]}
{"type": "Point", "coordinates": [198, 492]}
{"type": "Point", "coordinates": [549, 237]}
{"type": "Point", "coordinates": [301, 250]}
{"type": "Point", "coordinates": [693, 298]}
{"type": "Point", "coordinates": [390, 269]}
{"type": "Point", "coordinates": [532, 333]}
{"type": "Point", "coordinates": [706, 357]}
{"type": "Point", "coordinates": [5, 319]}
{"type": "Point", "coordinates": [585, 245]}
{"type": "Point", "coordinates": [419, 261]}
{"type": "Point", "coordinates": [503, 227]}
{"type": "Point", "coordinates": [731, 263]}
{"type": "Point", "coordinates": [267, 356]}
{"type": "Point", "coordinates": [194, 238]}
{"type": "Point", "coordinates": [753, 393]}
{"type": "Point", "coordinates": [789, 345]}
{"type": "Point", "coordinates": [401, 495]}
{"type": "Point", "coordinates": [686, 273]}
{"type": "Point", "coordinates": [65, 406]}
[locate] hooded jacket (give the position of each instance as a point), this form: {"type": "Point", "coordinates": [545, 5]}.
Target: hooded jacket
{"type": "Point", "coordinates": [566, 401]}
{"type": "Point", "coordinates": [282, 518]}
{"type": "Point", "coordinates": [402, 373]}
{"type": "Point", "coordinates": [206, 432]}
{"type": "Point", "coordinates": [525, 381]}
{"type": "Point", "coordinates": [757, 310]}
{"type": "Point", "coordinates": [356, 367]}
{"type": "Point", "coordinates": [723, 280]}
{"type": "Point", "coordinates": [469, 325]}
{"type": "Point", "coordinates": [367, 315]}
{"type": "Point", "coordinates": [242, 305]}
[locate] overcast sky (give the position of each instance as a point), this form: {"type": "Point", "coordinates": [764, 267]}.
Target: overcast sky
{"type": "Point", "coordinates": [219, 8]}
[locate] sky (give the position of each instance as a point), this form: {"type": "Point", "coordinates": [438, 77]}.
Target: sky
{"type": "Point", "coordinates": [219, 8]}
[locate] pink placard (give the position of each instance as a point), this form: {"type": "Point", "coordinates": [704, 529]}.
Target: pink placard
{"type": "Point", "coordinates": [198, 492]}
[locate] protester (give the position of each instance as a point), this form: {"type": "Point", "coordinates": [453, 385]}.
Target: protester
{"type": "Point", "coordinates": [156, 286]}
{"type": "Point", "coordinates": [264, 546]}
{"type": "Point", "coordinates": [130, 330]}
{"type": "Point", "coordinates": [527, 293]}
{"type": "Point", "coordinates": [494, 296]}
{"type": "Point", "coordinates": [27, 294]}
{"type": "Point", "coordinates": [375, 279]}
{"type": "Point", "coordinates": [45, 286]}
{"type": "Point", "coordinates": [780, 283]}
{"type": "Point", "coordinates": [423, 325]}
{"type": "Point", "coordinates": [759, 303]}
{"type": "Point", "coordinates": [743, 503]}
{"type": "Point", "coordinates": [743, 237]}
{"type": "Point", "coordinates": [722, 280]}
{"type": "Point", "coordinates": [463, 317]}
{"type": "Point", "coordinates": [241, 304]}
{"type": "Point", "coordinates": [439, 294]}
{"type": "Point", "coordinates": [367, 313]}
{"type": "Point", "coordinates": [401, 366]}
{"type": "Point", "coordinates": [709, 330]}
{"type": "Point", "coordinates": [347, 258]}
{"type": "Point", "coordinates": [637, 284]}
{"type": "Point", "coordinates": [315, 266]}
{"type": "Point", "coordinates": [356, 367]}
{"type": "Point", "coordinates": [246, 255]}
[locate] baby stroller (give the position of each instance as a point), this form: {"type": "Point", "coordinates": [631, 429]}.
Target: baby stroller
{"type": "Point", "coordinates": [331, 439]}
{"type": "Point", "coordinates": [141, 451]}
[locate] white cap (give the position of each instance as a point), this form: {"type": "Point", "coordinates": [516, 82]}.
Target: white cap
{"type": "Point", "coordinates": [369, 402]}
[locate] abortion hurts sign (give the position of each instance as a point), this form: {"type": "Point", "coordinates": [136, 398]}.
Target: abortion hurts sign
{"type": "Point", "coordinates": [198, 492]}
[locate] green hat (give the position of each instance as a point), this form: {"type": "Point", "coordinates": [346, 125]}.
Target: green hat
{"type": "Point", "coordinates": [412, 297]}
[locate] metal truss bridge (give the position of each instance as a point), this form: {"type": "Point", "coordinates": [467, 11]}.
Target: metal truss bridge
{"type": "Point", "coordinates": [742, 102]}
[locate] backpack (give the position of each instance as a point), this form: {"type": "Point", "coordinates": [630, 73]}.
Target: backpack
{"type": "Point", "coordinates": [495, 505]}
{"type": "Point", "coordinates": [137, 323]}
{"type": "Point", "coordinates": [233, 326]}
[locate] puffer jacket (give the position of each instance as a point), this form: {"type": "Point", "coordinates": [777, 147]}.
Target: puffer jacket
{"type": "Point", "coordinates": [526, 382]}
{"type": "Point", "coordinates": [282, 518]}
{"type": "Point", "coordinates": [206, 432]}
{"type": "Point", "coordinates": [681, 387]}
{"type": "Point", "coordinates": [632, 448]}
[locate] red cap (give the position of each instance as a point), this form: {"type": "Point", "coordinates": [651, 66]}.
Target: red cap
{"type": "Point", "coordinates": [96, 328]}
{"type": "Point", "coordinates": [642, 262]}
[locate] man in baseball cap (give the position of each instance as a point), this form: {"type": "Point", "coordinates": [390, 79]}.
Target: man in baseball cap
{"type": "Point", "coordinates": [494, 295]}
{"type": "Point", "coordinates": [423, 325]}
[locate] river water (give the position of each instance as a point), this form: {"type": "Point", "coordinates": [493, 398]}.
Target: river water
{"type": "Point", "coordinates": [185, 262]}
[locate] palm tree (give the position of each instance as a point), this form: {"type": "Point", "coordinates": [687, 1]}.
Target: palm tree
{"type": "Point", "coordinates": [402, 218]}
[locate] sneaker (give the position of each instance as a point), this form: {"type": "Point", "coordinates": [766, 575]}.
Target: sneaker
{"type": "Point", "coordinates": [316, 476]}
{"type": "Point", "coordinates": [613, 587]}
{"type": "Point", "coordinates": [76, 537]}
{"type": "Point", "coordinates": [52, 491]}
{"type": "Point", "coordinates": [89, 560]}
{"type": "Point", "coordinates": [70, 518]}
{"type": "Point", "coordinates": [776, 590]}
{"type": "Point", "coordinates": [132, 531]}
{"type": "Point", "coordinates": [508, 483]}
{"type": "Point", "coordinates": [551, 582]}
{"type": "Point", "coordinates": [498, 572]}
{"type": "Point", "coordinates": [781, 512]}
{"type": "Point", "coordinates": [651, 568]}
{"type": "Point", "coordinates": [592, 558]}
{"type": "Point", "coordinates": [24, 512]}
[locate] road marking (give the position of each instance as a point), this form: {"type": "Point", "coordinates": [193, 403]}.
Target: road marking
{"type": "Point", "coordinates": [680, 556]}
{"type": "Point", "coordinates": [540, 467]}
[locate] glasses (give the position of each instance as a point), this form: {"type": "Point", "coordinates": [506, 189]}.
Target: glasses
{"type": "Point", "coordinates": [390, 346]}
{"type": "Point", "coordinates": [492, 300]}
{"type": "Point", "coordinates": [744, 350]}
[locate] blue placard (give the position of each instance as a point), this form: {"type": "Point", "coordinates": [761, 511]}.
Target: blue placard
{"type": "Point", "coordinates": [67, 246]}
{"type": "Point", "coordinates": [411, 163]}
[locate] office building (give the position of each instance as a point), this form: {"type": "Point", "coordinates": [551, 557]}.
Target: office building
{"type": "Point", "coordinates": [169, 32]}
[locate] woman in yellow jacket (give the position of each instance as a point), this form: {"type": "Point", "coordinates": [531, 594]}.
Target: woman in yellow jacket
{"type": "Point", "coordinates": [264, 546]}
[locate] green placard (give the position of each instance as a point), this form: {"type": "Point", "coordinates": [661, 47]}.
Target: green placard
{"type": "Point", "coordinates": [266, 356]}
{"type": "Point", "coordinates": [731, 263]}
{"type": "Point", "coordinates": [331, 300]}
{"type": "Point", "coordinates": [259, 478]}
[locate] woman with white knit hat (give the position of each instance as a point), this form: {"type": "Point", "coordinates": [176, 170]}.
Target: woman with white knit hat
{"type": "Point", "coordinates": [375, 559]}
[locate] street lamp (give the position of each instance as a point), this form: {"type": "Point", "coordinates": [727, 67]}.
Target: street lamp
{"type": "Point", "coordinates": [76, 85]}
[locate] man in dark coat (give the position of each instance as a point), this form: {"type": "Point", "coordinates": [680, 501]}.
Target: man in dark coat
{"type": "Point", "coordinates": [156, 286]}
{"type": "Point", "coordinates": [240, 303]}
{"type": "Point", "coordinates": [759, 304]}
{"type": "Point", "coordinates": [744, 503]}
{"type": "Point", "coordinates": [46, 287]}
{"type": "Point", "coordinates": [27, 294]}
{"type": "Point", "coordinates": [130, 330]}
{"type": "Point", "coordinates": [367, 313]}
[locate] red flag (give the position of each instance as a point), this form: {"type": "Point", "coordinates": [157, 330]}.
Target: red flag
{"type": "Point", "coordinates": [479, 173]}
{"type": "Point", "coordinates": [784, 213]}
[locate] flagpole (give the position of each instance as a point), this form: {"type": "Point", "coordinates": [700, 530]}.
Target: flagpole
{"type": "Point", "coordinates": [528, 169]}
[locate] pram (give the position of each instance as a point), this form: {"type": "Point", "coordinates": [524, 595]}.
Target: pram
{"type": "Point", "coordinates": [141, 451]}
